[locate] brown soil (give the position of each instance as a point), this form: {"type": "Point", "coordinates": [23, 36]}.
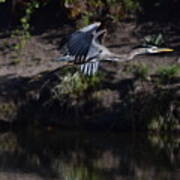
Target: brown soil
{"type": "Point", "coordinates": [40, 51]}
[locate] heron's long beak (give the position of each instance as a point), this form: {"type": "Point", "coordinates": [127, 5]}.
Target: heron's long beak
{"type": "Point", "coordinates": [165, 50]}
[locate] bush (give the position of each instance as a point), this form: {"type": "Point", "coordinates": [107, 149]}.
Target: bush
{"type": "Point", "coordinates": [169, 72]}
{"type": "Point", "coordinates": [74, 85]}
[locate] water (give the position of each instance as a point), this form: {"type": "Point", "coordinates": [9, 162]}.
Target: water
{"type": "Point", "coordinates": [52, 154]}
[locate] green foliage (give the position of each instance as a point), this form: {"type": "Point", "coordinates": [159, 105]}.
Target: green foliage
{"type": "Point", "coordinates": [21, 39]}
{"type": "Point", "coordinates": [139, 70]}
{"type": "Point", "coordinates": [22, 34]}
{"type": "Point", "coordinates": [24, 30]}
{"type": "Point", "coordinates": [169, 72]}
{"type": "Point", "coordinates": [154, 39]}
{"type": "Point", "coordinates": [71, 84]}
{"type": "Point", "coordinates": [74, 85]}
{"type": "Point", "coordinates": [131, 5]}
{"type": "Point", "coordinates": [115, 9]}
{"type": "Point", "coordinates": [92, 10]}
{"type": "Point", "coordinates": [86, 19]}
{"type": "Point", "coordinates": [80, 173]}
{"type": "Point", "coordinates": [25, 20]}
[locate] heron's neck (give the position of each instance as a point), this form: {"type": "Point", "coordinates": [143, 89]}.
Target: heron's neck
{"type": "Point", "coordinates": [135, 52]}
{"type": "Point", "coordinates": [126, 57]}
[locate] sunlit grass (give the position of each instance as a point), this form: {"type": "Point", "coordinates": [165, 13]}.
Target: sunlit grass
{"type": "Point", "coordinates": [75, 84]}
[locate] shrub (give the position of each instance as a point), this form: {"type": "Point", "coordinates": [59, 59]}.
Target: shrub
{"type": "Point", "coordinates": [167, 73]}
{"type": "Point", "coordinates": [74, 85]}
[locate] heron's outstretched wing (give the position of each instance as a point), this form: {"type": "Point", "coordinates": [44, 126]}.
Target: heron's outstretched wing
{"type": "Point", "coordinates": [80, 42]}
{"type": "Point", "coordinates": [78, 45]}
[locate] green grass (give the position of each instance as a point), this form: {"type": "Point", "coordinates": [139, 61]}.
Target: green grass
{"type": "Point", "coordinates": [154, 39]}
{"type": "Point", "coordinates": [168, 73]}
{"type": "Point", "coordinates": [139, 70]}
{"type": "Point", "coordinates": [74, 85]}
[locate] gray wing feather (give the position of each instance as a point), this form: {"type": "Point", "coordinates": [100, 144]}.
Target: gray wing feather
{"type": "Point", "coordinates": [79, 44]}
{"type": "Point", "coordinates": [89, 68]}
{"type": "Point", "coordinates": [82, 48]}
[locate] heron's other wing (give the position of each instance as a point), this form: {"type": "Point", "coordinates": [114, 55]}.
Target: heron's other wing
{"type": "Point", "coordinates": [79, 42]}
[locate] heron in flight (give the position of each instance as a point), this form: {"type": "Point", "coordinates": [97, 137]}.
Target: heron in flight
{"type": "Point", "coordinates": [84, 48]}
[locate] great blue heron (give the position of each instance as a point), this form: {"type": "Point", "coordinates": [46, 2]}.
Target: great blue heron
{"type": "Point", "coordinates": [83, 47]}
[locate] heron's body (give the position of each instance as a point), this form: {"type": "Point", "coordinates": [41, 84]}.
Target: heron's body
{"type": "Point", "coordinates": [83, 47]}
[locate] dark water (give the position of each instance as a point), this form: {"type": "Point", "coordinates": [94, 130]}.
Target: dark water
{"type": "Point", "coordinates": [52, 154]}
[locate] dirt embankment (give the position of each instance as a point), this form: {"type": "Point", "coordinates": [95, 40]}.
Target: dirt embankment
{"type": "Point", "coordinates": [126, 96]}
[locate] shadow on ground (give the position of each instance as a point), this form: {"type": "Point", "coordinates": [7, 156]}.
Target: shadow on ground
{"type": "Point", "coordinates": [124, 104]}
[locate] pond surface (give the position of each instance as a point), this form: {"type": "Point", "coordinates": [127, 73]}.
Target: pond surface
{"type": "Point", "coordinates": [52, 154]}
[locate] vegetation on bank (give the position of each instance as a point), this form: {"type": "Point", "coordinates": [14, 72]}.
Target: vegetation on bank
{"type": "Point", "coordinates": [24, 12]}
{"type": "Point", "coordinates": [21, 17]}
{"type": "Point", "coordinates": [146, 101]}
{"type": "Point", "coordinates": [142, 102]}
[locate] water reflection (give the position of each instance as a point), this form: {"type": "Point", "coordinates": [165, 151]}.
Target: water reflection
{"type": "Point", "coordinates": [88, 156]}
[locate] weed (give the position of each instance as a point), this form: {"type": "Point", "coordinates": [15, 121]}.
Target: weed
{"type": "Point", "coordinates": [154, 39]}
{"type": "Point", "coordinates": [131, 5]}
{"type": "Point", "coordinates": [168, 73]}
{"type": "Point", "coordinates": [139, 70]}
{"type": "Point", "coordinates": [74, 85]}
{"type": "Point", "coordinates": [114, 9]}
{"type": "Point", "coordinates": [22, 34]}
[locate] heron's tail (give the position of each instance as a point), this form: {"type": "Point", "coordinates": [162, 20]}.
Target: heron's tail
{"type": "Point", "coordinates": [89, 68]}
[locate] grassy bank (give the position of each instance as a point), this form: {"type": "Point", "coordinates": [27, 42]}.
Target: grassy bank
{"type": "Point", "coordinates": [67, 99]}
{"type": "Point", "coordinates": [142, 95]}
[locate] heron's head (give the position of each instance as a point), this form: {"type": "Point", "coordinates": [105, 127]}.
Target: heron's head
{"type": "Point", "coordinates": [147, 50]}
{"type": "Point", "coordinates": [155, 49]}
